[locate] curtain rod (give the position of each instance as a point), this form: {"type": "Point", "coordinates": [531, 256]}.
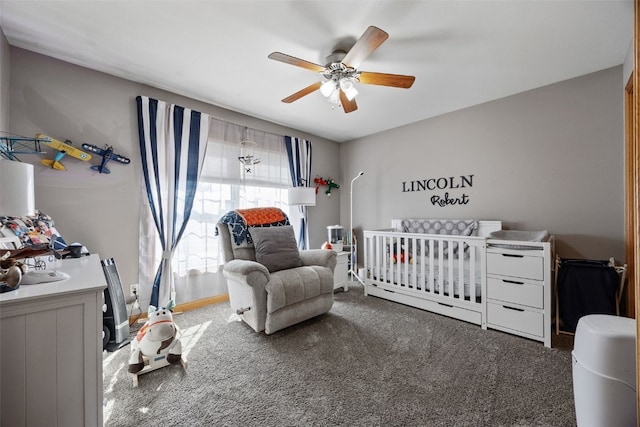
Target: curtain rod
{"type": "Point", "coordinates": [211, 116]}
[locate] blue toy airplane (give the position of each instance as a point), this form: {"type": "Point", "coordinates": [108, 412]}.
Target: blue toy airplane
{"type": "Point", "coordinates": [107, 154]}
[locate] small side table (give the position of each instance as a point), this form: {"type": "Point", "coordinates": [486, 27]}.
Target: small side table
{"type": "Point", "coordinates": [340, 274]}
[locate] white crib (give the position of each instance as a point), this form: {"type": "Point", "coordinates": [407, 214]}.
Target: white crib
{"type": "Point", "coordinates": [444, 274]}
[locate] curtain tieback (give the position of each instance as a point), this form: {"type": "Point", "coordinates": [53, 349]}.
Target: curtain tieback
{"type": "Point", "coordinates": [167, 254]}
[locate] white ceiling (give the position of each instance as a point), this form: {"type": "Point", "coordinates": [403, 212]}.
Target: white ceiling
{"type": "Point", "coordinates": [462, 52]}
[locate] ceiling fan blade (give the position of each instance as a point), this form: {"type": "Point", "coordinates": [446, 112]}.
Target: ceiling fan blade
{"type": "Point", "coordinates": [347, 105]}
{"type": "Point", "coordinates": [370, 40]}
{"type": "Point", "coordinates": [383, 79]}
{"type": "Point", "coordinates": [299, 94]}
{"type": "Point", "coordinates": [288, 59]}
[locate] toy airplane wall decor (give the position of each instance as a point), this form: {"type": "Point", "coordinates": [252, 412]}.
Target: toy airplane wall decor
{"type": "Point", "coordinates": [63, 148]}
{"type": "Point", "coordinates": [107, 154]}
{"type": "Point", "coordinates": [13, 144]}
{"type": "Point", "coordinates": [328, 182]}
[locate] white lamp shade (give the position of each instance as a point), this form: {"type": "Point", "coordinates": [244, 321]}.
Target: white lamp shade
{"type": "Point", "coordinates": [304, 196]}
{"type": "Point", "coordinates": [16, 188]}
{"type": "Point", "coordinates": [328, 87]}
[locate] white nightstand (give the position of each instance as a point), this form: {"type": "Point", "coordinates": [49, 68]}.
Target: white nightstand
{"type": "Point", "coordinates": [340, 274]}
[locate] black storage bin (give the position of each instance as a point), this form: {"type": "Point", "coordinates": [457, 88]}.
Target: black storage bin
{"type": "Point", "coordinates": [585, 287]}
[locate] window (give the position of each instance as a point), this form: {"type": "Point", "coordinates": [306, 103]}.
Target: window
{"type": "Point", "coordinates": [199, 247]}
{"type": "Point", "coordinates": [226, 184]}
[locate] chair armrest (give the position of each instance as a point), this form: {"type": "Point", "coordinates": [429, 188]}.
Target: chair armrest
{"type": "Point", "coordinates": [250, 272]}
{"type": "Point", "coordinates": [321, 257]}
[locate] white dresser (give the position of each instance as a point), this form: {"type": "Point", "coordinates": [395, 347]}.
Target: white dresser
{"type": "Point", "coordinates": [51, 349]}
{"type": "Point", "coordinates": [519, 288]}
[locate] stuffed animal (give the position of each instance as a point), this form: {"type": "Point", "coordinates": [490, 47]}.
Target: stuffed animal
{"type": "Point", "coordinates": [158, 337]}
{"type": "Point", "coordinates": [394, 256]}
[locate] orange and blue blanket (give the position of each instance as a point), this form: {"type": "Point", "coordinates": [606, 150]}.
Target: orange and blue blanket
{"type": "Point", "coordinates": [240, 220]}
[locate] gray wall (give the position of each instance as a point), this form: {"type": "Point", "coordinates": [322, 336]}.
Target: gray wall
{"type": "Point", "coordinates": [551, 158]}
{"type": "Point", "coordinates": [101, 211]}
{"type": "Point", "coordinates": [4, 82]}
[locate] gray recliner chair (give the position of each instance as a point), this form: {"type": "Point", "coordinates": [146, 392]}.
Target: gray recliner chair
{"type": "Point", "coordinates": [273, 285]}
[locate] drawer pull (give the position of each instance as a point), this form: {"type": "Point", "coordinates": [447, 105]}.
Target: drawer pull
{"type": "Point", "coordinates": [513, 282]}
{"type": "Point", "coordinates": [513, 255]}
{"type": "Point", "coordinates": [446, 305]}
{"type": "Point", "coordinates": [513, 308]}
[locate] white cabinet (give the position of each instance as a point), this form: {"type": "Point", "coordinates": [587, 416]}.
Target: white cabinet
{"type": "Point", "coordinates": [51, 349]}
{"type": "Point", "coordinates": [340, 274]}
{"type": "Point", "coordinates": [519, 288]}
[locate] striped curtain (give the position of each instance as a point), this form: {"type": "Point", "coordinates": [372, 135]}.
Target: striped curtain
{"type": "Point", "coordinates": [299, 155]}
{"type": "Point", "coordinates": [173, 142]}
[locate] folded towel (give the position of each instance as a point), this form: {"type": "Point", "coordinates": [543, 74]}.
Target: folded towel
{"type": "Point", "coordinates": [34, 277]}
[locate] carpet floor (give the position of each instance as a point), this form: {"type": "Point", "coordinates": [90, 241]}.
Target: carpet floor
{"type": "Point", "coordinates": [368, 362]}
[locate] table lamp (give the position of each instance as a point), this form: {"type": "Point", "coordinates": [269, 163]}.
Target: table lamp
{"type": "Point", "coordinates": [302, 196]}
{"type": "Point", "coordinates": [16, 188]}
{"type": "Point", "coordinates": [16, 199]}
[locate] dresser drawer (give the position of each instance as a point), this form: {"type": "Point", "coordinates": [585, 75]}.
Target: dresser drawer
{"type": "Point", "coordinates": [518, 291]}
{"type": "Point", "coordinates": [516, 319]}
{"type": "Point", "coordinates": [524, 266]}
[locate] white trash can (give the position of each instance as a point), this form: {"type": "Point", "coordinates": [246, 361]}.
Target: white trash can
{"type": "Point", "coordinates": [604, 371]}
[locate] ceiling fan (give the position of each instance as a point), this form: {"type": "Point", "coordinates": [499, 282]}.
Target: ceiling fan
{"type": "Point", "coordinates": [341, 72]}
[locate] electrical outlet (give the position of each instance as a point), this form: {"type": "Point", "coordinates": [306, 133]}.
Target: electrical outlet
{"type": "Point", "coordinates": [134, 289]}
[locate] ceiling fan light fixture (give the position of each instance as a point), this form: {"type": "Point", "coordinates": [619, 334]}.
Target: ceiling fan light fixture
{"type": "Point", "coordinates": [334, 98]}
{"type": "Point", "coordinates": [341, 72]}
{"type": "Point", "coordinates": [328, 88]}
{"type": "Point", "coordinates": [349, 89]}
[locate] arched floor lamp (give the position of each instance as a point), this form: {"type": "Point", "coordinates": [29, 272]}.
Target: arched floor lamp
{"type": "Point", "coordinates": [352, 272]}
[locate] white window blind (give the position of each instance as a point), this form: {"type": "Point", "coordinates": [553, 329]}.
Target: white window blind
{"type": "Point", "coordinates": [228, 142]}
